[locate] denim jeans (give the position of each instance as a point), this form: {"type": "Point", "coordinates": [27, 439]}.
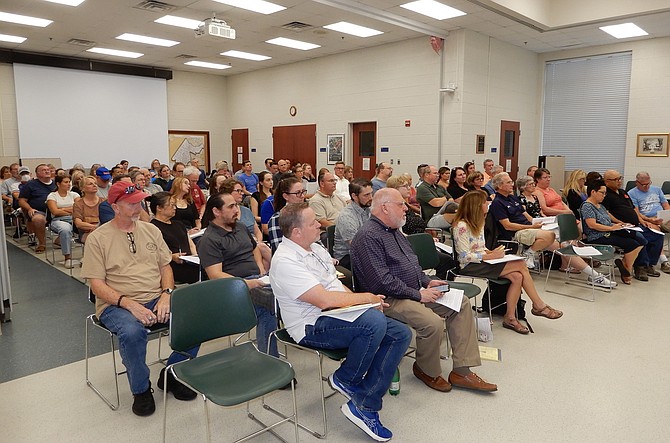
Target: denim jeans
{"type": "Point", "coordinates": [376, 345]}
{"type": "Point", "coordinates": [63, 227]}
{"type": "Point", "coordinates": [653, 246]}
{"type": "Point", "coordinates": [133, 337]}
{"type": "Point", "coordinates": [267, 323]}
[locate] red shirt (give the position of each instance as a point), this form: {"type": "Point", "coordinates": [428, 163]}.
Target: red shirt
{"type": "Point", "coordinates": [198, 197]}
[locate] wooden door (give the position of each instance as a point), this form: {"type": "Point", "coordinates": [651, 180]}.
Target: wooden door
{"type": "Point", "coordinates": [240, 142]}
{"type": "Point", "coordinates": [296, 143]}
{"type": "Point", "coordinates": [364, 149]}
{"type": "Point", "coordinates": [509, 147]}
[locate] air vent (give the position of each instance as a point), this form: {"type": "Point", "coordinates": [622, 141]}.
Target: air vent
{"type": "Point", "coordinates": [297, 26]}
{"type": "Point", "coordinates": [186, 56]}
{"type": "Point", "coordinates": [155, 6]}
{"type": "Point", "coordinates": [81, 42]}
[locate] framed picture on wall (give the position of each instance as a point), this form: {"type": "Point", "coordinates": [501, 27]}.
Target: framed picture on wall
{"type": "Point", "coordinates": [335, 148]}
{"type": "Point", "coordinates": [184, 146]}
{"type": "Point", "coordinates": [652, 145]}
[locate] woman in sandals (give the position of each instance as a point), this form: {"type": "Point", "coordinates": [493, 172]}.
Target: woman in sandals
{"type": "Point", "coordinates": [468, 231]}
{"type": "Point", "coordinates": [599, 229]}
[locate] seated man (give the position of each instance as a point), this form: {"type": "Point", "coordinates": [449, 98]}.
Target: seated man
{"type": "Point", "coordinates": [621, 210]}
{"type": "Point", "coordinates": [305, 283]}
{"type": "Point", "coordinates": [326, 204]}
{"type": "Point", "coordinates": [648, 200]}
{"type": "Point", "coordinates": [226, 249]}
{"type": "Point", "coordinates": [33, 203]}
{"type": "Point", "coordinates": [383, 263]}
{"type": "Point", "coordinates": [127, 266]}
{"type": "Point", "coordinates": [514, 223]}
{"type": "Point", "coordinates": [430, 196]}
{"type": "Point", "coordinates": [351, 219]}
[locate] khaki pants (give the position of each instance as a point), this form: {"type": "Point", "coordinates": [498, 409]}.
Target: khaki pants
{"type": "Point", "coordinates": [428, 322]}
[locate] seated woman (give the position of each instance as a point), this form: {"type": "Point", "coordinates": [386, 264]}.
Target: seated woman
{"type": "Point", "coordinates": [475, 182]}
{"type": "Point", "coordinates": [289, 190]}
{"type": "Point", "coordinates": [186, 211]}
{"type": "Point", "coordinates": [215, 183]}
{"type": "Point", "coordinates": [412, 202]}
{"type": "Point", "coordinates": [60, 204]}
{"type": "Point", "coordinates": [86, 210]}
{"type": "Point", "coordinates": [471, 251]}
{"type": "Point", "coordinates": [599, 229]}
{"type": "Point", "coordinates": [164, 177]}
{"type": "Point", "coordinates": [443, 173]}
{"type": "Point", "coordinates": [550, 202]}
{"type": "Point", "coordinates": [457, 184]}
{"type": "Point", "coordinates": [574, 191]}
{"type": "Point", "coordinates": [176, 237]}
{"type": "Point", "coordinates": [526, 187]}
{"type": "Point", "coordinates": [265, 187]}
{"type": "Point", "coordinates": [414, 224]}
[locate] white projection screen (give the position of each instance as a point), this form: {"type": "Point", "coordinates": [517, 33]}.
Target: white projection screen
{"type": "Point", "coordinates": [90, 117]}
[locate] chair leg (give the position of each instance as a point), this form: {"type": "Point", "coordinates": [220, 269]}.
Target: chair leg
{"type": "Point", "coordinates": [112, 406]}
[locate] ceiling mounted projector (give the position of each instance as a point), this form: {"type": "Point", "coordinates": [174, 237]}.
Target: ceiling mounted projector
{"type": "Point", "coordinates": [213, 27]}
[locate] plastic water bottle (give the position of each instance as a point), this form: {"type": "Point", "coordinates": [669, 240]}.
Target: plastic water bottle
{"type": "Point", "coordinates": [394, 389]}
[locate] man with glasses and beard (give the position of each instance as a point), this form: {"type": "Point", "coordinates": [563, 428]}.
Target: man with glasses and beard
{"type": "Point", "coordinates": [127, 266]}
{"type": "Point", "coordinates": [383, 262]}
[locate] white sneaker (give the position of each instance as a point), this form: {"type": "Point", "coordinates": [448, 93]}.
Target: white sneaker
{"type": "Point", "coordinates": [529, 257]}
{"type": "Point", "coordinates": [69, 263]}
{"type": "Point", "coordinates": [602, 282]}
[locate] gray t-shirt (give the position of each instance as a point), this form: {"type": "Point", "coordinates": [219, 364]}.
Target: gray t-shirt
{"type": "Point", "coordinates": [351, 219]}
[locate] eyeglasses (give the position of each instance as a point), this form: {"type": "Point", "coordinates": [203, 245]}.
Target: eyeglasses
{"type": "Point", "coordinates": [602, 192]}
{"type": "Point", "coordinates": [131, 239]}
{"type": "Point", "coordinates": [643, 184]}
{"type": "Point", "coordinates": [303, 192]}
{"type": "Point", "coordinates": [241, 191]}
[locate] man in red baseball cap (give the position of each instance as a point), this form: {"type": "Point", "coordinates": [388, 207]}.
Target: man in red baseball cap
{"type": "Point", "coordinates": [127, 266]}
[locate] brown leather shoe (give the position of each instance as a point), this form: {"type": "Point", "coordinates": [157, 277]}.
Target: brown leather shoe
{"type": "Point", "coordinates": [471, 381]}
{"type": "Point", "coordinates": [438, 383]}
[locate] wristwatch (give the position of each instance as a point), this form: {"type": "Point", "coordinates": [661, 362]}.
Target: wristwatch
{"type": "Point", "coordinates": [168, 291]}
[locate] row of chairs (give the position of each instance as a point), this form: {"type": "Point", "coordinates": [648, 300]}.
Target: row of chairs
{"type": "Point", "coordinates": [665, 187]}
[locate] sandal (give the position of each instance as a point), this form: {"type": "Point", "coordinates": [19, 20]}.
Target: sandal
{"type": "Point", "coordinates": [622, 269]}
{"type": "Point", "coordinates": [515, 326]}
{"type": "Point", "coordinates": [547, 312]}
{"type": "Point", "coordinates": [40, 248]}
{"type": "Point", "coordinates": [626, 280]}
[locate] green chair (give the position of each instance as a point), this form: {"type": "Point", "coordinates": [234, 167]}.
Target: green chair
{"type": "Point", "coordinates": [568, 231]}
{"type": "Point", "coordinates": [338, 355]}
{"type": "Point", "coordinates": [330, 233]}
{"type": "Point", "coordinates": [214, 309]}
{"type": "Point", "coordinates": [160, 329]}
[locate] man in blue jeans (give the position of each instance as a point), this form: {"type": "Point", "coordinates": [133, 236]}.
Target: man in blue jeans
{"type": "Point", "coordinates": [305, 283]}
{"type": "Point", "coordinates": [127, 265]}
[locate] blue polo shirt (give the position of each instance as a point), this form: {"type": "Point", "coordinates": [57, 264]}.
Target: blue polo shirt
{"type": "Point", "coordinates": [509, 207]}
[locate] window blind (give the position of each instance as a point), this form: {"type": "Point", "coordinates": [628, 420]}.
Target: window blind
{"type": "Point", "coordinates": [586, 111]}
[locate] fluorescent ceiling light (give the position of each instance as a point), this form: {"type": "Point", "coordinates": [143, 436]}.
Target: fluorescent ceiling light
{"type": "Point", "coordinates": [254, 5]}
{"type": "Point", "coordinates": [207, 65]}
{"type": "Point", "coordinates": [147, 40]}
{"type": "Point", "coordinates": [433, 9]}
{"type": "Point", "coordinates": [67, 2]}
{"type": "Point", "coordinates": [182, 22]}
{"type": "Point", "coordinates": [295, 44]}
{"type": "Point", "coordinates": [624, 30]}
{"type": "Point", "coordinates": [11, 38]}
{"type": "Point", "coordinates": [115, 52]}
{"type": "Point", "coordinates": [246, 55]}
{"type": "Point", "coordinates": [24, 20]}
{"type": "Point", "coordinates": [350, 28]}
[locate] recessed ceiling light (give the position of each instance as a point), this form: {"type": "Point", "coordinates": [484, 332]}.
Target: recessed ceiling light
{"type": "Point", "coordinates": [290, 43]}
{"type": "Point", "coordinates": [246, 55]}
{"type": "Point", "coordinates": [182, 22]}
{"type": "Point", "coordinates": [624, 30]}
{"type": "Point", "coordinates": [24, 20]}
{"type": "Point", "coordinates": [350, 28]}
{"type": "Point", "coordinates": [433, 9]}
{"type": "Point", "coordinates": [67, 2]}
{"type": "Point", "coordinates": [254, 5]}
{"type": "Point", "coordinates": [147, 40]}
{"type": "Point", "coordinates": [11, 38]}
{"type": "Point", "coordinates": [207, 65]}
{"type": "Point", "coordinates": [115, 52]}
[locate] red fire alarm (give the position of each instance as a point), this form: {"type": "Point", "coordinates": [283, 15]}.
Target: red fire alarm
{"type": "Point", "coordinates": [408, 123]}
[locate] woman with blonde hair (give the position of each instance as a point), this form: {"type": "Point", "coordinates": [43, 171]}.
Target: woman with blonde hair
{"type": "Point", "coordinates": [412, 202]}
{"type": "Point", "coordinates": [86, 210]}
{"type": "Point", "coordinates": [185, 211]}
{"type": "Point", "coordinates": [413, 223]}
{"type": "Point", "coordinates": [470, 248]}
{"type": "Point", "coordinates": [574, 191]}
{"type": "Point", "coordinates": [78, 181]}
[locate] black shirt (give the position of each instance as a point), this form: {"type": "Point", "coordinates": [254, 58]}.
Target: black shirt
{"type": "Point", "coordinates": [619, 204]}
{"type": "Point", "coordinates": [176, 238]}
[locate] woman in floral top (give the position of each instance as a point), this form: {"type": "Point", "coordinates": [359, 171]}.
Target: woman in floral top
{"type": "Point", "coordinates": [526, 186]}
{"type": "Point", "coordinates": [471, 251]}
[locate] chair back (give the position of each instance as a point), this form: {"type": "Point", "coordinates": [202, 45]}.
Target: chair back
{"type": "Point", "coordinates": [208, 310]}
{"type": "Point", "coordinates": [330, 233]}
{"type": "Point", "coordinates": [423, 246]}
{"type": "Point", "coordinates": [630, 185]}
{"type": "Point", "coordinates": [665, 188]}
{"type": "Point", "coordinates": [567, 227]}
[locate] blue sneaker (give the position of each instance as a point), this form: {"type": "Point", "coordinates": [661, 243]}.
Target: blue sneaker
{"type": "Point", "coordinates": [367, 421]}
{"type": "Point", "coordinates": [336, 385]}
